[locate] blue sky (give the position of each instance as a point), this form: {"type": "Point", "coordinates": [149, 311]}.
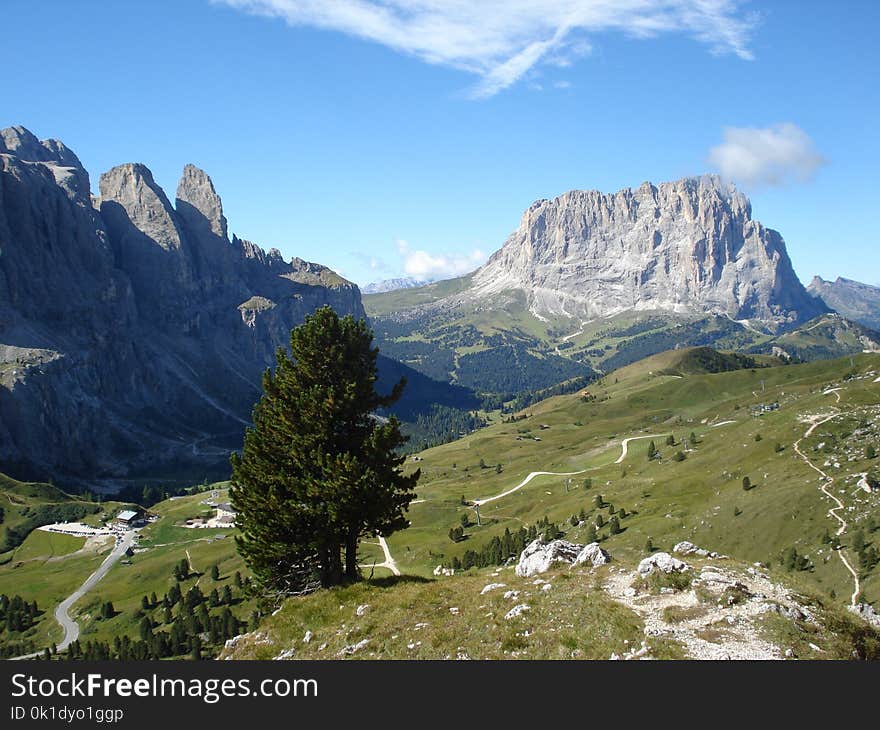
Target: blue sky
{"type": "Point", "coordinates": [384, 137]}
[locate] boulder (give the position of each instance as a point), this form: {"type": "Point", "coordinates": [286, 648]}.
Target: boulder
{"type": "Point", "coordinates": [592, 554]}
{"type": "Point", "coordinates": [867, 612]}
{"type": "Point", "coordinates": [663, 562]}
{"type": "Point", "coordinates": [491, 587]}
{"type": "Point", "coordinates": [517, 610]}
{"type": "Point", "coordinates": [539, 556]}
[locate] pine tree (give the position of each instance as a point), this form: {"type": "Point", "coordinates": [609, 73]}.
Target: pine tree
{"type": "Point", "coordinates": [317, 471]}
{"type": "Point", "coordinates": [613, 526]}
{"type": "Point", "coordinates": [652, 450]}
{"type": "Point", "coordinates": [870, 452]}
{"type": "Point", "coordinates": [215, 572]}
{"type": "Point", "coordinates": [649, 546]}
{"type": "Point", "coordinates": [857, 542]}
{"type": "Point", "coordinates": [670, 440]}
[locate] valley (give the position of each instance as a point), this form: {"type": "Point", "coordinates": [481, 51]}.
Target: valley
{"type": "Point", "coordinates": [572, 465]}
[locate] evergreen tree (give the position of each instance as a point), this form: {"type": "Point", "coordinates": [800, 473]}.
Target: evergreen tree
{"type": "Point", "coordinates": [670, 440]}
{"type": "Point", "coordinates": [317, 471]}
{"type": "Point", "coordinates": [614, 525]}
{"type": "Point", "coordinates": [747, 484]}
{"type": "Point", "coordinates": [652, 450]}
{"type": "Point", "coordinates": [870, 452]}
{"type": "Point", "coordinates": [215, 572]}
{"type": "Point", "coordinates": [649, 546]}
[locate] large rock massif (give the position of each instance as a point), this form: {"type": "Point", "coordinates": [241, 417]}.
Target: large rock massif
{"type": "Point", "coordinates": [689, 247]}
{"type": "Point", "coordinates": [133, 332]}
{"type": "Point", "coordinates": [854, 300]}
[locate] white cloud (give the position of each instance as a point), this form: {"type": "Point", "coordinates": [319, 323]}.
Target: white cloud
{"type": "Point", "coordinates": [766, 156]}
{"type": "Point", "coordinates": [501, 40]}
{"type": "Point", "coordinates": [423, 265]}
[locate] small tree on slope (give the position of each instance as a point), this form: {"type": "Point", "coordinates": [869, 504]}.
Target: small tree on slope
{"type": "Point", "coordinates": [318, 471]}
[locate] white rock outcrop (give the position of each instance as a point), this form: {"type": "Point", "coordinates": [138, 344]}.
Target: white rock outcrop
{"type": "Point", "coordinates": [592, 554]}
{"type": "Point", "coordinates": [663, 562]}
{"type": "Point", "coordinates": [517, 610]}
{"type": "Point", "coordinates": [539, 556]}
{"type": "Point", "coordinates": [492, 587]}
{"type": "Point", "coordinates": [685, 547]}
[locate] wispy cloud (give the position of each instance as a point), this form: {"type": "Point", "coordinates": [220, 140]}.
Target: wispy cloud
{"type": "Point", "coordinates": [772, 155]}
{"type": "Point", "coordinates": [501, 40]}
{"type": "Point", "coordinates": [424, 266]}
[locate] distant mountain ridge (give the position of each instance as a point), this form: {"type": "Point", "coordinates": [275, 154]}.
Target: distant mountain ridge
{"type": "Point", "coordinates": [133, 332]}
{"type": "Point", "coordinates": [854, 300]}
{"type": "Point", "coordinates": [386, 285]}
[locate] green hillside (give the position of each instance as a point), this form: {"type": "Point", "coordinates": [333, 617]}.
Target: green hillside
{"type": "Point", "coordinates": [730, 417]}
{"type": "Point", "coordinates": [499, 347]}
{"type": "Point", "coordinates": [730, 480]}
{"type": "Point", "coordinates": [699, 498]}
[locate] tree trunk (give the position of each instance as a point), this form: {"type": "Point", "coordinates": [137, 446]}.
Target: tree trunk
{"type": "Point", "coordinates": [351, 550]}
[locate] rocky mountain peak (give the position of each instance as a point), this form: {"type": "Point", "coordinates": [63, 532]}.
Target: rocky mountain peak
{"type": "Point", "coordinates": [198, 203]}
{"type": "Point", "coordinates": [25, 145]}
{"type": "Point", "coordinates": [131, 199]}
{"type": "Point", "coordinates": [132, 334]}
{"type": "Point", "coordinates": [55, 155]}
{"type": "Point", "coordinates": [684, 246]}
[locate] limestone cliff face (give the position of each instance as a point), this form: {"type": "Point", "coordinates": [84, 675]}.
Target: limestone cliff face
{"type": "Point", "coordinates": [133, 332]}
{"type": "Point", "coordinates": [689, 246]}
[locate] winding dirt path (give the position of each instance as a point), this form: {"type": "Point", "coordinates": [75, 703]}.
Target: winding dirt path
{"type": "Point", "coordinates": [390, 563]}
{"type": "Point", "coordinates": [823, 487]}
{"type": "Point", "coordinates": [624, 446]}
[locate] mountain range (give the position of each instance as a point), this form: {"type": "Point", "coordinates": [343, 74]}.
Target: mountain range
{"type": "Point", "coordinates": [386, 285]}
{"type": "Point", "coordinates": [134, 331]}
{"type": "Point", "coordinates": [854, 300]}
